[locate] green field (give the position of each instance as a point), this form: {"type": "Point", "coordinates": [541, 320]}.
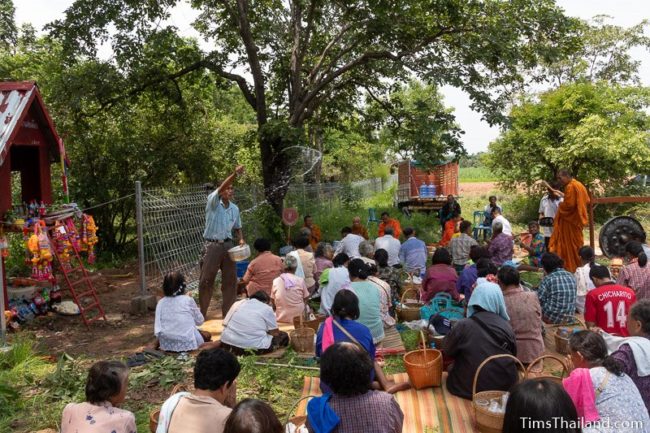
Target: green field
{"type": "Point", "coordinates": [476, 174]}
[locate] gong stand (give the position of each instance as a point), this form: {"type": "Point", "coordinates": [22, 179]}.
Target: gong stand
{"type": "Point", "coordinates": [615, 232]}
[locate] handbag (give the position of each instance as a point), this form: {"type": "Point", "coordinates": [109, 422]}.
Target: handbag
{"type": "Point", "coordinates": [443, 304]}
{"type": "Point", "coordinates": [546, 222]}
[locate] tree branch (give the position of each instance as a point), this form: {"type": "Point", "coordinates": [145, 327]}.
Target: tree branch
{"type": "Point", "coordinates": [384, 105]}
{"type": "Point", "coordinates": [253, 59]}
{"type": "Point", "coordinates": [326, 50]}
{"type": "Point", "coordinates": [295, 64]}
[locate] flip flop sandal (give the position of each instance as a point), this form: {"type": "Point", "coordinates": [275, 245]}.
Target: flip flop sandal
{"type": "Point", "coordinates": [136, 360]}
{"type": "Point", "coordinates": [154, 353]}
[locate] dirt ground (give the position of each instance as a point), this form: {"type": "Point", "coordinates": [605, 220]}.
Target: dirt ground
{"type": "Point", "coordinates": [476, 188]}
{"type": "Point", "coordinates": [121, 334]}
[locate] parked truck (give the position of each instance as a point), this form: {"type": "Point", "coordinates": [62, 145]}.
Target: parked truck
{"type": "Point", "coordinates": [421, 189]}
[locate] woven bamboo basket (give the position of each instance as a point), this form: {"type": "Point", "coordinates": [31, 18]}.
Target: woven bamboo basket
{"type": "Point", "coordinates": [302, 338]}
{"type": "Point", "coordinates": [565, 369]}
{"type": "Point", "coordinates": [298, 420]}
{"type": "Point", "coordinates": [410, 310]}
{"type": "Point", "coordinates": [424, 367]}
{"type": "Point", "coordinates": [155, 414]}
{"type": "Point", "coordinates": [313, 324]}
{"type": "Point", "coordinates": [562, 342]}
{"type": "Point", "coordinates": [486, 421]}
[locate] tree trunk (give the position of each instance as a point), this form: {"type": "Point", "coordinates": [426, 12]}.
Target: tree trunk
{"type": "Point", "coordinates": [278, 145]}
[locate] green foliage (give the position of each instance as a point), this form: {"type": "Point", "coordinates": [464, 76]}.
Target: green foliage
{"type": "Point", "coordinates": [8, 30]}
{"type": "Point", "coordinates": [417, 124]}
{"type": "Point", "coordinates": [349, 155]}
{"type": "Point", "coordinates": [68, 382]}
{"type": "Point", "coordinates": [15, 264]}
{"type": "Point", "coordinates": [350, 196]}
{"type": "Point", "coordinates": [411, 338]}
{"type": "Point", "coordinates": [301, 60]}
{"type": "Point", "coordinates": [475, 174]}
{"type": "Point", "coordinates": [598, 131]}
{"type": "Point", "coordinates": [164, 372]}
{"type": "Point", "coordinates": [601, 51]}
{"type": "Point", "coordinates": [474, 160]}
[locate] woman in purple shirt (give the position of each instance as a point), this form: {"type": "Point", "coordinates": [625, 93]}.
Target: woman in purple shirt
{"type": "Point", "coordinates": [631, 353]}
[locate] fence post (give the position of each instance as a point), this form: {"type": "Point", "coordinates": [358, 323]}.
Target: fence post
{"type": "Point", "coordinates": [138, 216]}
{"type": "Point", "coordinates": [143, 302]}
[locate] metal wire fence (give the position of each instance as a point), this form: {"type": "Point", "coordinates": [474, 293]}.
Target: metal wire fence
{"type": "Point", "coordinates": [173, 220]}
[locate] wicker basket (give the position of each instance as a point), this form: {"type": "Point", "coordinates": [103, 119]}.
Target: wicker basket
{"type": "Point", "coordinates": [302, 338]}
{"type": "Point", "coordinates": [486, 421]}
{"type": "Point", "coordinates": [298, 420]}
{"type": "Point", "coordinates": [424, 367]}
{"type": "Point", "coordinates": [155, 414]}
{"type": "Point", "coordinates": [313, 324]}
{"type": "Point", "coordinates": [562, 342]}
{"type": "Point", "coordinates": [408, 310]}
{"type": "Point", "coordinates": [565, 369]}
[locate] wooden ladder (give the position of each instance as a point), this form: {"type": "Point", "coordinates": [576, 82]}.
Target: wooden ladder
{"type": "Point", "coordinates": [77, 281]}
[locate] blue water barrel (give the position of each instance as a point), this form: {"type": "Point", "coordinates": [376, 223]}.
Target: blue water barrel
{"type": "Point", "coordinates": [241, 268]}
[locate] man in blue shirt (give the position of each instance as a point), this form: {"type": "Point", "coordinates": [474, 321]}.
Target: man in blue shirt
{"type": "Point", "coordinates": [221, 219]}
{"type": "Point", "coordinates": [413, 253]}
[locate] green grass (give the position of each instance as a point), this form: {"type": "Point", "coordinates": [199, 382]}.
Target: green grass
{"type": "Point", "coordinates": [476, 174]}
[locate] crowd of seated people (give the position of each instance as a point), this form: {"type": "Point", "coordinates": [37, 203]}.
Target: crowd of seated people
{"type": "Point", "coordinates": [358, 293]}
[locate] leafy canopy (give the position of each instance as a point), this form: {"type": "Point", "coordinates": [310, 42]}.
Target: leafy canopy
{"type": "Point", "coordinates": [290, 58]}
{"type": "Point", "coordinates": [415, 124]}
{"type": "Point", "coordinates": [601, 132]}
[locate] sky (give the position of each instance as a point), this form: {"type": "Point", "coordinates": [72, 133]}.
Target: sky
{"type": "Point", "coordinates": [478, 133]}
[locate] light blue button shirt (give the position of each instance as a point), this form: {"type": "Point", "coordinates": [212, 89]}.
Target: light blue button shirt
{"type": "Point", "coordinates": [219, 220]}
{"type": "Point", "coordinates": [413, 253]}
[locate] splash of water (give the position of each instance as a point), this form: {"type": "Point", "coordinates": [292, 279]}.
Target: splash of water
{"type": "Point", "coordinates": [309, 155]}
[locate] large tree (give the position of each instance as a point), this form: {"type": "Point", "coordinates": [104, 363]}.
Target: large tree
{"type": "Point", "coordinates": [601, 51]}
{"type": "Point", "coordinates": [598, 131]}
{"type": "Point", "coordinates": [289, 58]}
{"type": "Point", "coordinates": [414, 123]}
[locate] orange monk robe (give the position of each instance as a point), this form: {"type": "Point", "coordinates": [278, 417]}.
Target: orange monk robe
{"type": "Point", "coordinates": [315, 236]}
{"type": "Point", "coordinates": [397, 228]}
{"type": "Point", "coordinates": [450, 229]}
{"type": "Point", "coordinates": [360, 230]}
{"type": "Point", "coordinates": [570, 220]}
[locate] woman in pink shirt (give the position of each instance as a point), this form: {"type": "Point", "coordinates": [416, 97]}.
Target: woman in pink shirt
{"type": "Point", "coordinates": [262, 270]}
{"type": "Point", "coordinates": [289, 292]}
{"type": "Point", "coordinates": [105, 390]}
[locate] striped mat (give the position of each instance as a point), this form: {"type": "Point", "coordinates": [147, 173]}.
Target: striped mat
{"type": "Point", "coordinates": [431, 410]}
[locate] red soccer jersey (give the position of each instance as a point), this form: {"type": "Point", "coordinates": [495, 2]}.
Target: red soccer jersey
{"type": "Point", "coordinates": [607, 306]}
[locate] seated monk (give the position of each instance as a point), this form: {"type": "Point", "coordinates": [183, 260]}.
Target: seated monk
{"type": "Point", "coordinates": [451, 228]}
{"type": "Point", "coordinates": [358, 228]}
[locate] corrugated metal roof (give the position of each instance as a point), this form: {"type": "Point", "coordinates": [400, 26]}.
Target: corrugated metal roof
{"type": "Point", "coordinates": [15, 98]}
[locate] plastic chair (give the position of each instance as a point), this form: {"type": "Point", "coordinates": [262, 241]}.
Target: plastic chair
{"type": "Point", "coordinates": [372, 217]}
{"type": "Point", "coordinates": [480, 229]}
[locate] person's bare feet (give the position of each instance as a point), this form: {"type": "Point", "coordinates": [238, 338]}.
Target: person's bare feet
{"type": "Point", "coordinates": [396, 387]}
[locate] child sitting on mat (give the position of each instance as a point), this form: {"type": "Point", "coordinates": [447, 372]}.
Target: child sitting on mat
{"type": "Point", "coordinates": [177, 317]}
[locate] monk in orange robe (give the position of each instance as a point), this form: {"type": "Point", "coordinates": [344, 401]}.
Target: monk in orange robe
{"type": "Point", "coordinates": [451, 227]}
{"type": "Point", "coordinates": [314, 232]}
{"type": "Point", "coordinates": [570, 220]}
{"type": "Point", "coordinates": [387, 221]}
{"type": "Point", "coordinates": [358, 228]}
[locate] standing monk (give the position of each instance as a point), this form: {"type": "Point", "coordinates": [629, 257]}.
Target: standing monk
{"type": "Point", "coordinates": [221, 219]}
{"type": "Point", "coordinates": [570, 220]}
{"type": "Point", "coordinates": [314, 232]}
